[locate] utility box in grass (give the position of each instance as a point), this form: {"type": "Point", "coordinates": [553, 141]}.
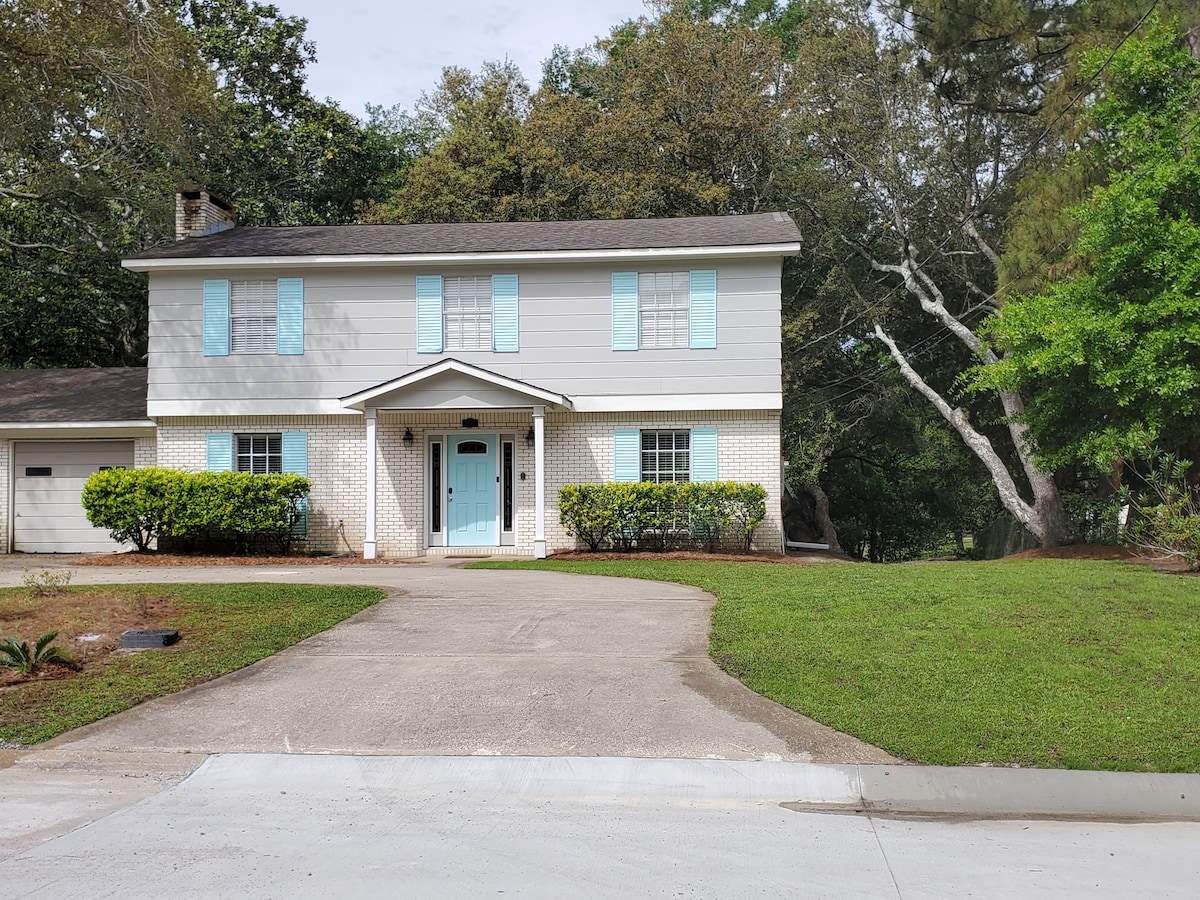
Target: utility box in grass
{"type": "Point", "coordinates": [146, 638]}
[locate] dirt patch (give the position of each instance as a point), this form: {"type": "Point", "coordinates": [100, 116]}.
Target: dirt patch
{"type": "Point", "coordinates": [1118, 552]}
{"type": "Point", "coordinates": [676, 555]}
{"type": "Point", "coordinates": [89, 623]}
{"type": "Point", "coordinates": [185, 559]}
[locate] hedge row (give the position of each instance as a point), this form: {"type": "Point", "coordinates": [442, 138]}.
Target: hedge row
{"type": "Point", "coordinates": [666, 516]}
{"type": "Point", "coordinates": [202, 509]}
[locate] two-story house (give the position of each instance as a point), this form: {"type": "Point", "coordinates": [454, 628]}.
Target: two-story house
{"type": "Point", "coordinates": [439, 383]}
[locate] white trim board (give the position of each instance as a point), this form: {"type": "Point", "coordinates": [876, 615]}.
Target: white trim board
{"type": "Point", "coordinates": [21, 431]}
{"type": "Point", "coordinates": [446, 259]}
{"type": "Point", "coordinates": [675, 402]}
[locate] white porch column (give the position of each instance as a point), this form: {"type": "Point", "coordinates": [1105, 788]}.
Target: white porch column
{"type": "Point", "coordinates": [369, 540]}
{"type": "Point", "coordinates": [539, 476]}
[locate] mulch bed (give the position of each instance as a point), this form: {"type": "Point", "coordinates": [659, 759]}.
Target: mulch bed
{"type": "Point", "coordinates": [189, 559]}
{"type": "Point", "coordinates": [676, 555]}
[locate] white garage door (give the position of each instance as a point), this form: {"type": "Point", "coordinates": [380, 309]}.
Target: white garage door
{"type": "Point", "coordinates": [48, 479]}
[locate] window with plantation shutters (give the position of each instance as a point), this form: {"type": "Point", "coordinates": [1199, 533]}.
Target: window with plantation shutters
{"type": "Point", "coordinates": [259, 454]}
{"type": "Point", "coordinates": [663, 309]}
{"type": "Point", "coordinates": [666, 456]}
{"type": "Point", "coordinates": [467, 312]}
{"type": "Point", "coordinates": [253, 307]}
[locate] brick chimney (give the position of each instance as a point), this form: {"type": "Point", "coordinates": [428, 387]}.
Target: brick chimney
{"type": "Point", "coordinates": [197, 213]}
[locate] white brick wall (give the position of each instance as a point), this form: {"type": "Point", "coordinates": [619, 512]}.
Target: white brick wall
{"type": "Point", "coordinates": [578, 450]}
{"type": "Point", "coordinates": [582, 446]}
{"type": "Point", "coordinates": [336, 465]}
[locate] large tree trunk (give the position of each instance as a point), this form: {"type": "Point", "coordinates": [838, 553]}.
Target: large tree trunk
{"type": "Point", "coordinates": [1046, 518]}
{"type": "Point", "coordinates": [829, 533]}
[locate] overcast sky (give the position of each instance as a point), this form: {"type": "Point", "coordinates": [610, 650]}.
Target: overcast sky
{"type": "Point", "coordinates": [373, 51]}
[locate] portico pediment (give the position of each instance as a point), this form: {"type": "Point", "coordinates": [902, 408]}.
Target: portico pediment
{"type": "Point", "coordinates": [450, 384]}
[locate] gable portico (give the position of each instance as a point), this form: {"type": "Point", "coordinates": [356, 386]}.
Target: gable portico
{"type": "Point", "coordinates": [470, 463]}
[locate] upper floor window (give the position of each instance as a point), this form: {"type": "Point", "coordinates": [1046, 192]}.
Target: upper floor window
{"type": "Point", "coordinates": [663, 309]}
{"type": "Point", "coordinates": [264, 315]}
{"type": "Point", "coordinates": [253, 306]}
{"type": "Point", "coordinates": [467, 312]}
{"type": "Point", "coordinates": [654, 310]}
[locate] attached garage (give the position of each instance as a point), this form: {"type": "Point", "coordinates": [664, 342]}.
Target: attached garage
{"type": "Point", "coordinates": [48, 478]}
{"type": "Point", "coordinates": [57, 427]}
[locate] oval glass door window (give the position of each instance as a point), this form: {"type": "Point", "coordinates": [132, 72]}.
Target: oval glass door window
{"type": "Point", "coordinates": [472, 447]}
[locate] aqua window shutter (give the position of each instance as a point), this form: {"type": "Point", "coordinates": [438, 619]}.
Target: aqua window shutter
{"type": "Point", "coordinates": [624, 310]}
{"type": "Point", "coordinates": [293, 446]}
{"type": "Point", "coordinates": [505, 320]}
{"type": "Point", "coordinates": [289, 317]}
{"type": "Point", "coordinates": [218, 451]}
{"type": "Point", "coordinates": [429, 313]}
{"type": "Point", "coordinates": [702, 309]}
{"type": "Point", "coordinates": [216, 317]}
{"type": "Point", "coordinates": [627, 454]}
{"type": "Point", "coordinates": [704, 454]}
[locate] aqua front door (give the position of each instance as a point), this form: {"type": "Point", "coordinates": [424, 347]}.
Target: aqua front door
{"type": "Point", "coordinates": [471, 491]}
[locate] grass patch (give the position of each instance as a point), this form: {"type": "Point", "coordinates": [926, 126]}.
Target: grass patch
{"type": "Point", "coordinates": [1050, 663]}
{"type": "Point", "coordinates": [223, 627]}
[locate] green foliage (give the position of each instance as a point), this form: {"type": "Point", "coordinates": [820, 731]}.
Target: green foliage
{"type": "Point", "coordinates": [1050, 663]}
{"type": "Point", "coordinates": [662, 516]}
{"type": "Point", "coordinates": [1110, 357]}
{"type": "Point", "coordinates": [224, 627]}
{"type": "Point", "coordinates": [472, 171]}
{"type": "Point", "coordinates": [238, 507]}
{"type": "Point", "coordinates": [133, 504]}
{"type": "Point", "coordinates": [1168, 511]}
{"type": "Point", "coordinates": [46, 583]}
{"type": "Point", "coordinates": [16, 654]}
{"type": "Point", "coordinates": [197, 509]}
{"type": "Point", "coordinates": [587, 513]}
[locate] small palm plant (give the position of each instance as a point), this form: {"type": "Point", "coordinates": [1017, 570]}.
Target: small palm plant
{"type": "Point", "coordinates": [17, 655]}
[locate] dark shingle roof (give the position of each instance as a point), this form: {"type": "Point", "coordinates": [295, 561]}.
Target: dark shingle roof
{"type": "Point", "coordinates": [48, 396]}
{"type": "Point", "coordinates": [485, 237]}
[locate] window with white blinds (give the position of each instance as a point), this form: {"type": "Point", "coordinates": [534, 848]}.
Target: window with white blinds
{"type": "Point", "coordinates": [253, 307]}
{"type": "Point", "coordinates": [663, 309]}
{"type": "Point", "coordinates": [666, 456]}
{"type": "Point", "coordinates": [467, 312]}
{"type": "Point", "coordinates": [258, 454]}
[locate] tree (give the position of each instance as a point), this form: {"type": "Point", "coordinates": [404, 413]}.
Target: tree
{"type": "Point", "coordinates": [472, 171]}
{"type": "Point", "coordinates": [666, 117]}
{"type": "Point", "coordinates": [100, 102]}
{"type": "Point", "coordinates": [1111, 355]}
{"type": "Point", "coordinates": [931, 169]}
{"type": "Point", "coordinates": [282, 157]}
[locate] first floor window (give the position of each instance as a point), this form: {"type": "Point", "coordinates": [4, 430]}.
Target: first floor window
{"type": "Point", "coordinates": [253, 310]}
{"type": "Point", "coordinates": [258, 454]}
{"type": "Point", "coordinates": [666, 456]}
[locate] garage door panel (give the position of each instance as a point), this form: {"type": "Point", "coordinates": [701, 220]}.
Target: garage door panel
{"type": "Point", "coordinates": [48, 516]}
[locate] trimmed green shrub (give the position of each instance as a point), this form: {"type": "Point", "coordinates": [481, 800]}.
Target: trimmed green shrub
{"type": "Point", "coordinates": [586, 512]}
{"type": "Point", "coordinates": [133, 504]}
{"type": "Point", "coordinates": [662, 516]}
{"type": "Point", "coordinates": [201, 509]}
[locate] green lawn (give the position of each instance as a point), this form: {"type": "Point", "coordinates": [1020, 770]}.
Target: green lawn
{"type": "Point", "coordinates": [1091, 665]}
{"type": "Point", "coordinates": [223, 627]}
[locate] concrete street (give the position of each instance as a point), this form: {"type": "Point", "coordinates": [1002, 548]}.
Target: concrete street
{"type": "Point", "coordinates": [539, 733]}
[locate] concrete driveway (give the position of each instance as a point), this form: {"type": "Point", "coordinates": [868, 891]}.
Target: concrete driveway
{"type": "Point", "coordinates": [454, 662]}
{"type": "Point", "coordinates": [465, 662]}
